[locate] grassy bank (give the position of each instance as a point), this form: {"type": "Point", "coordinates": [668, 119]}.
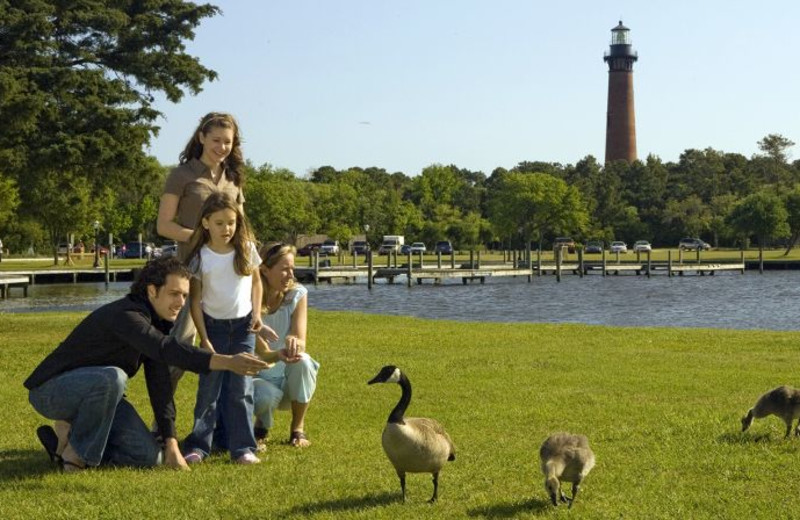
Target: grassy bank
{"type": "Point", "coordinates": [658, 255]}
{"type": "Point", "coordinates": [661, 408]}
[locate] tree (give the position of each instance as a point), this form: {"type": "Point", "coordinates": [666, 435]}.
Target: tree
{"type": "Point", "coordinates": [792, 204]}
{"type": "Point", "coordinates": [720, 207]}
{"type": "Point", "coordinates": [61, 204]}
{"type": "Point", "coordinates": [278, 205]}
{"type": "Point", "coordinates": [9, 199]}
{"type": "Point", "coordinates": [535, 204]}
{"type": "Point", "coordinates": [77, 85]}
{"type": "Point", "coordinates": [774, 147]}
{"type": "Point", "coordinates": [689, 216]}
{"type": "Point", "coordinates": [436, 185]}
{"type": "Point", "coordinates": [610, 207]}
{"type": "Point", "coordinates": [761, 215]}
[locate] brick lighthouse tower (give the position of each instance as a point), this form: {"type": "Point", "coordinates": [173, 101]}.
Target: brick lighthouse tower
{"type": "Point", "coordinates": [620, 118]}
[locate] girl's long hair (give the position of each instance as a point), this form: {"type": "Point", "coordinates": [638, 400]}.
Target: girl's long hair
{"type": "Point", "coordinates": [234, 163]}
{"type": "Point", "coordinates": [242, 237]}
{"type": "Point", "coordinates": [270, 254]}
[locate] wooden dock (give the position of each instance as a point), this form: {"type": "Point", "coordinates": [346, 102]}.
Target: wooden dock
{"type": "Point", "coordinates": [418, 274]}
{"type": "Point", "coordinates": [9, 281]}
{"type": "Point", "coordinates": [100, 274]}
{"type": "Point", "coordinates": [472, 271]}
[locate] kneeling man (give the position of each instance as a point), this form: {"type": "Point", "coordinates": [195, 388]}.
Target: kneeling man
{"type": "Point", "coordinates": [81, 384]}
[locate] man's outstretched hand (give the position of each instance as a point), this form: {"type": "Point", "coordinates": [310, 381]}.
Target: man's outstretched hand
{"type": "Point", "coordinates": [243, 363]}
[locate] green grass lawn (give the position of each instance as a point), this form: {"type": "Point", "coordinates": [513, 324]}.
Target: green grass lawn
{"type": "Point", "coordinates": [660, 407]}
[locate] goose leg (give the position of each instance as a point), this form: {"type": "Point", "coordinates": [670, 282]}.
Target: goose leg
{"type": "Point", "coordinates": [575, 488]}
{"type": "Point", "coordinates": [402, 484]}
{"type": "Point", "coordinates": [435, 496]}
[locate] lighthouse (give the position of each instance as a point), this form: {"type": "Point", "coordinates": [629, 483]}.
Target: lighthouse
{"type": "Point", "coordinates": [620, 118]}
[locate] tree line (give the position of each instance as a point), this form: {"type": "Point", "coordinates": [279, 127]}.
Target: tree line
{"type": "Point", "coordinates": [724, 198]}
{"type": "Point", "coordinates": [77, 92]}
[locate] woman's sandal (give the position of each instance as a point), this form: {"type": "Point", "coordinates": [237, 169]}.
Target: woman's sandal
{"type": "Point", "coordinates": [49, 439]}
{"type": "Point", "coordinates": [298, 439]}
{"type": "Point", "coordinates": [261, 434]}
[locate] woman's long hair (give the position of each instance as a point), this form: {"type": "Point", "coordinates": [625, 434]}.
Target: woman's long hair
{"type": "Point", "coordinates": [234, 163]}
{"type": "Point", "coordinates": [242, 237]}
{"type": "Point", "coordinates": [271, 253]}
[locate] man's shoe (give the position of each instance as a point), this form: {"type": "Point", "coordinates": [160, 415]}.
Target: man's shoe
{"type": "Point", "coordinates": [247, 459]}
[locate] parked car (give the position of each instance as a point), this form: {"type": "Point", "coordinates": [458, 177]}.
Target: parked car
{"type": "Point", "coordinates": [642, 246]}
{"type": "Point", "coordinates": [308, 249]}
{"type": "Point", "coordinates": [693, 244]}
{"type": "Point", "coordinates": [391, 244]}
{"type": "Point", "coordinates": [359, 247]}
{"type": "Point", "coordinates": [418, 247]}
{"type": "Point", "coordinates": [329, 247]}
{"type": "Point", "coordinates": [444, 247]}
{"type": "Point", "coordinates": [135, 250]}
{"type": "Point", "coordinates": [169, 249]}
{"type": "Point", "coordinates": [618, 247]}
{"type": "Point", "coordinates": [567, 242]}
{"type": "Point", "coordinates": [63, 248]}
{"type": "Point", "coordinates": [405, 249]}
{"type": "Point", "coordinates": [594, 247]}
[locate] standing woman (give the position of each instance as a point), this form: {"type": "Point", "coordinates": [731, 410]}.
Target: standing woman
{"type": "Point", "coordinates": [211, 162]}
{"type": "Point", "coordinates": [291, 382]}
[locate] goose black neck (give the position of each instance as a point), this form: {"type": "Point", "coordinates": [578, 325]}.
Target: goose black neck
{"type": "Point", "coordinates": [396, 416]}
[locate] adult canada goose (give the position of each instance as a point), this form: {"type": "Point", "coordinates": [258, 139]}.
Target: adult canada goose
{"type": "Point", "coordinates": [413, 444]}
{"type": "Point", "coordinates": [783, 401]}
{"type": "Point", "coordinates": [565, 457]}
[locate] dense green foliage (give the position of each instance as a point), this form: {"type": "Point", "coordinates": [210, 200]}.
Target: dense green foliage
{"type": "Point", "coordinates": [660, 407]}
{"type": "Point", "coordinates": [700, 195]}
{"type": "Point", "coordinates": [78, 81]}
{"type": "Point", "coordinates": [77, 86]}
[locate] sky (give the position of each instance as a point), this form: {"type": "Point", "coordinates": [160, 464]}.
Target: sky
{"type": "Point", "coordinates": [483, 84]}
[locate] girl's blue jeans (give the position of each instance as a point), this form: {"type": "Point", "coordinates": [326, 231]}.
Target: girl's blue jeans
{"type": "Point", "coordinates": [234, 392]}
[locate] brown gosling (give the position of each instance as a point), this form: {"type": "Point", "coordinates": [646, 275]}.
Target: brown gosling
{"type": "Point", "coordinates": [413, 444]}
{"type": "Point", "coordinates": [565, 457]}
{"type": "Point", "coordinates": [783, 401]}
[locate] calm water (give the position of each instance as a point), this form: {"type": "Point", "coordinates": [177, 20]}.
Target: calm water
{"type": "Point", "coordinates": [731, 301]}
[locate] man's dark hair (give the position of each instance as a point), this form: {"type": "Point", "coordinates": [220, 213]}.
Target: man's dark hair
{"type": "Point", "coordinates": [155, 272]}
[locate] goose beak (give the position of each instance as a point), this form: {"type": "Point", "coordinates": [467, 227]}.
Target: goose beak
{"type": "Point", "coordinates": [373, 380]}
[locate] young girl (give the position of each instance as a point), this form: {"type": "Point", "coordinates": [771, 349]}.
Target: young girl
{"type": "Point", "coordinates": [224, 294]}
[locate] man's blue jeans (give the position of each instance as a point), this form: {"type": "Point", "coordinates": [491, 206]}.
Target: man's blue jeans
{"type": "Point", "coordinates": [105, 428]}
{"type": "Point", "coordinates": [234, 393]}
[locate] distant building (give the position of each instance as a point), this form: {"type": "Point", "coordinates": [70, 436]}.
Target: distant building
{"type": "Point", "coordinates": [620, 118]}
{"type": "Point", "coordinates": [304, 240]}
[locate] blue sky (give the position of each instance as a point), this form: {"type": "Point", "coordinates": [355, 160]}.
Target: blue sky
{"type": "Point", "coordinates": [482, 84]}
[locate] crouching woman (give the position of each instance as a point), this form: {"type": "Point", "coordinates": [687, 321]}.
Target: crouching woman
{"type": "Point", "coordinates": [291, 381]}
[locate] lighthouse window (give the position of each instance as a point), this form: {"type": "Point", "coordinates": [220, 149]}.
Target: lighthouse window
{"type": "Point", "coordinates": [620, 38]}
